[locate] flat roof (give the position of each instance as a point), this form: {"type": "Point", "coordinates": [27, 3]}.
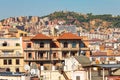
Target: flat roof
{"type": "Point", "coordinates": [107, 65]}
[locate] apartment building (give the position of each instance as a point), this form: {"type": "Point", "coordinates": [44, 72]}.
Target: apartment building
{"type": "Point", "coordinates": [8, 32]}
{"type": "Point", "coordinates": [11, 54]}
{"type": "Point", "coordinates": [48, 52]}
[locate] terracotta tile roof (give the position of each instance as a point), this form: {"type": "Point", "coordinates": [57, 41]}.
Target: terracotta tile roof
{"type": "Point", "coordinates": [99, 53]}
{"type": "Point", "coordinates": [96, 40]}
{"type": "Point", "coordinates": [68, 36]}
{"type": "Point", "coordinates": [41, 37]}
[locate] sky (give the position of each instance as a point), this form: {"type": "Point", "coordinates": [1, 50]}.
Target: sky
{"type": "Point", "coordinates": [15, 8]}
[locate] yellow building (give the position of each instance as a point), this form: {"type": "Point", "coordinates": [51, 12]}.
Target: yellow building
{"type": "Point", "coordinates": [11, 54]}
{"type": "Point", "coordinates": [12, 32]}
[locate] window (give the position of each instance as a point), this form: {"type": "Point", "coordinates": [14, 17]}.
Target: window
{"type": "Point", "coordinates": [73, 53]}
{"type": "Point", "coordinates": [28, 45]}
{"type": "Point", "coordinates": [17, 44]}
{"type": "Point", "coordinates": [21, 34]}
{"type": "Point", "coordinates": [41, 45]}
{"type": "Point", "coordinates": [29, 55]}
{"type": "Point", "coordinates": [5, 43]}
{"type": "Point", "coordinates": [74, 45]}
{"type": "Point", "coordinates": [8, 70]}
{"type": "Point", "coordinates": [40, 54]}
{"type": "Point", "coordinates": [93, 59]}
{"type": "Point", "coordinates": [54, 55]}
{"type": "Point", "coordinates": [29, 63]}
{"type": "Point", "coordinates": [9, 62]}
{"type": "Point", "coordinates": [17, 62]}
{"type": "Point", "coordinates": [17, 69]}
{"type": "Point", "coordinates": [77, 77]}
{"type": "Point", "coordinates": [81, 45]}
{"type": "Point", "coordinates": [5, 62]}
{"type": "Point", "coordinates": [65, 44]}
{"type": "Point", "coordinates": [25, 34]}
{"type": "Point", "coordinates": [65, 54]}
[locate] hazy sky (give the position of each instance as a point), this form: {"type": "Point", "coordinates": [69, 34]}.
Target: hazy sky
{"type": "Point", "coordinates": [14, 8]}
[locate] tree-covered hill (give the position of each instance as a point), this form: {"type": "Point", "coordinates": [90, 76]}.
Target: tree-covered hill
{"type": "Point", "coordinates": [86, 18]}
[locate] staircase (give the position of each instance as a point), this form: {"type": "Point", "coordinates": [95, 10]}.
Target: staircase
{"type": "Point", "coordinates": [64, 74]}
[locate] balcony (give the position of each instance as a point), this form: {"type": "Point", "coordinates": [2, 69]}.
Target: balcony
{"type": "Point", "coordinates": [29, 49]}
{"type": "Point", "coordinates": [70, 49]}
{"type": "Point", "coordinates": [53, 49]}
{"type": "Point", "coordinates": [54, 58]}
{"type": "Point", "coordinates": [75, 49]}
{"type": "Point", "coordinates": [87, 49]}
{"type": "Point", "coordinates": [11, 55]}
{"type": "Point", "coordinates": [42, 49]}
{"type": "Point", "coordinates": [9, 48]}
{"type": "Point", "coordinates": [36, 59]}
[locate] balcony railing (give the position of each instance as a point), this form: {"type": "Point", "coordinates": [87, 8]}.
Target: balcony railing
{"type": "Point", "coordinates": [43, 49]}
{"type": "Point", "coordinates": [47, 49]}
{"type": "Point", "coordinates": [11, 55]}
{"type": "Point", "coordinates": [37, 59]}
{"type": "Point", "coordinates": [85, 48]}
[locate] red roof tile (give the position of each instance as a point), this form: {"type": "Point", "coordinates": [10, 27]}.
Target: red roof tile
{"type": "Point", "coordinates": [95, 40]}
{"type": "Point", "coordinates": [68, 36]}
{"type": "Point", "coordinates": [41, 37]}
{"type": "Point", "coordinates": [99, 53]}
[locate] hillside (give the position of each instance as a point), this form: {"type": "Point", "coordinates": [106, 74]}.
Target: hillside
{"type": "Point", "coordinates": [89, 22]}
{"type": "Point", "coordinates": [77, 18]}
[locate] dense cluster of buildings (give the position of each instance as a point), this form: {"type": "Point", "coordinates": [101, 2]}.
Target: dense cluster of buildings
{"type": "Point", "coordinates": [58, 49]}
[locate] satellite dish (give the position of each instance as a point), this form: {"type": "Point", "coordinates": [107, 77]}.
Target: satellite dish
{"type": "Point", "coordinates": [32, 71]}
{"type": "Point", "coordinates": [57, 27]}
{"type": "Point", "coordinates": [27, 67]}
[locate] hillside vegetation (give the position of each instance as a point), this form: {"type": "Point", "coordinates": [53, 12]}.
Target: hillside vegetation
{"type": "Point", "coordinates": [86, 18]}
{"type": "Point", "coordinates": [85, 21]}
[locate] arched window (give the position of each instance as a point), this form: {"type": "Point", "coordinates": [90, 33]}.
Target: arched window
{"type": "Point", "coordinates": [5, 43]}
{"type": "Point", "coordinates": [8, 70]}
{"type": "Point", "coordinates": [41, 45]}
{"type": "Point", "coordinates": [65, 44]}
